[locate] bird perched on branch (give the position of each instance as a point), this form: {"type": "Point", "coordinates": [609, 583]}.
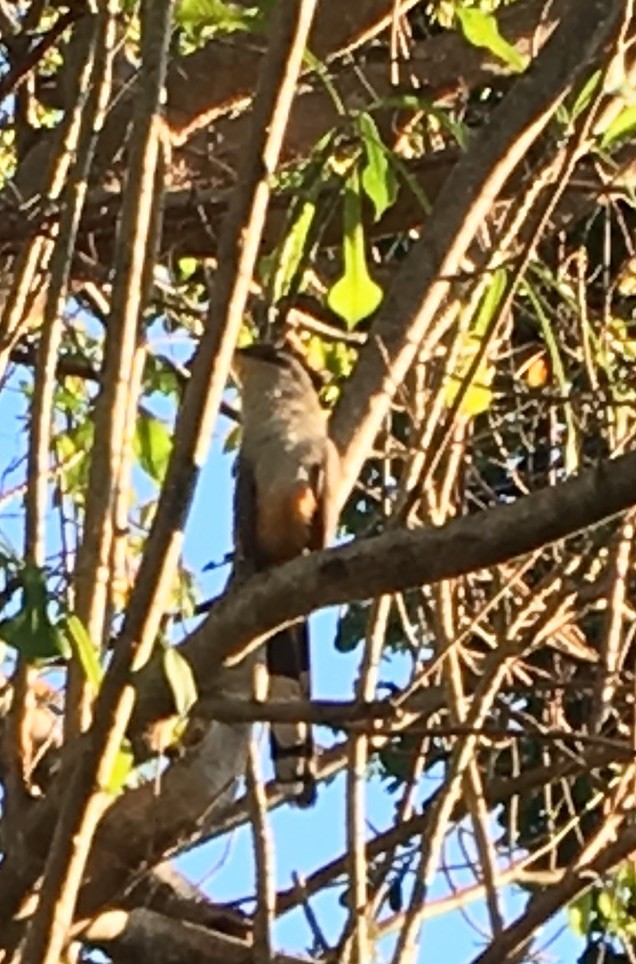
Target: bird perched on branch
{"type": "Point", "coordinates": [285, 504]}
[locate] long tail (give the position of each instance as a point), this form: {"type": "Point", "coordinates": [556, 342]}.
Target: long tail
{"type": "Point", "coordinates": [292, 746]}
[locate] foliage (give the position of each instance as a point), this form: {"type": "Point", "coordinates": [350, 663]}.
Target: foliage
{"type": "Point", "coordinates": [522, 379]}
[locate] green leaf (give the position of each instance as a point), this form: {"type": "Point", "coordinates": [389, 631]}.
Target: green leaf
{"type": "Point", "coordinates": [490, 302]}
{"type": "Point", "coordinates": [160, 376]}
{"type": "Point", "coordinates": [187, 266]}
{"type": "Point", "coordinates": [226, 17]}
{"type": "Point", "coordinates": [622, 126]}
{"type": "Point", "coordinates": [339, 359]}
{"type": "Point", "coordinates": [73, 449]}
{"type": "Point", "coordinates": [292, 250]}
{"type": "Point", "coordinates": [232, 439]}
{"type": "Point", "coordinates": [579, 914]}
{"type": "Point", "coordinates": [153, 445]}
{"type": "Point", "coordinates": [477, 396]}
{"type": "Point", "coordinates": [355, 295]}
{"type": "Point", "coordinates": [605, 903]}
{"type": "Point", "coordinates": [181, 679]}
{"type": "Point", "coordinates": [481, 30]}
{"type": "Point", "coordinates": [378, 179]}
{"type": "Point", "coordinates": [122, 768]}
{"type": "Point", "coordinates": [585, 95]}
{"type": "Point", "coordinates": [31, 631]}
{"type": "Point", "coordinates": [83, 650]}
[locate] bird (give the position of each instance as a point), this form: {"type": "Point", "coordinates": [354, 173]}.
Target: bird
{"type": "Point", "coordinates": [285, 504]}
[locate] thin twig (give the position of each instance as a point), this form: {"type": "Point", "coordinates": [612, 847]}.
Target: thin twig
{"type": "Point", "coordinates": [320, 941]}
{"type": "Point", "coordinates": [264, 858]}
{"type": "Point", "coordinates": [356, 934]}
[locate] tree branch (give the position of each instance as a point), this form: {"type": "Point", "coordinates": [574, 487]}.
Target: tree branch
{"type": "Point", "coordinates": [399, 560]}
{"type": "Point", "coordinates": [212, 81]}
{"type": "Point", "coordinates": [144, 935]}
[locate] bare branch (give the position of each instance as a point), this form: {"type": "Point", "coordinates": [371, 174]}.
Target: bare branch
{"type": "Point", "coordinates": [397, 560]}
{"type": "Point", "coordinates": [264, 851]}
{"type": "Point", "coordinates": [145, 935]}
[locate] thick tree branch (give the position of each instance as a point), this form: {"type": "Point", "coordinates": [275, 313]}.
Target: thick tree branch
{"type": "Point", "coordinates": [221, 75]}
{"type": "Point", "coordinates": [396, 561]}
{"type": "Point", "coordinates": [440, 68]}
{"type": "Point", "coordinates": [144, 935]}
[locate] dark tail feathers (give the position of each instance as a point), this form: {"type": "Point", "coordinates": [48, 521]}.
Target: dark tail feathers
{"type": "Point", "coordinates": [292, 746]}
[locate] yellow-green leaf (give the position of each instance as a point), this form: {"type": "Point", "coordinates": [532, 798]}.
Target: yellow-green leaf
{"type": "Point", "coordinates": [122, 768]}
{"type": "Point", "coordinates": [232, 439]}
{"type": "Point", "coordinates": [378, 179]}
{"type": "Point", "coordinates": [187, 266]}
{"type": "Point", "coordinates": [153, 445]}
{"type": "Point", "coordinates": [606, 903]}
{"type": "Point", "coordinates": [477, 396]}
{"type": "Point", "coordinates": [292, 250]}
{"type": "Point", "coordinates": [579, 913]}
{"type": "Point", "coordinates": [355, 295]}
{"type": "Point", "coordinates": [622, 126]}
{"type": "Point", "coordinates": [181, 679]}
{"type": "Point", "coordinates": [227, 17]}
{"type": "Point", "coordinates": [482, 30]}
{"type": "Point", "coordinates": [585, 95]}
{"type": "Point", "coordinates": [83, 650]}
